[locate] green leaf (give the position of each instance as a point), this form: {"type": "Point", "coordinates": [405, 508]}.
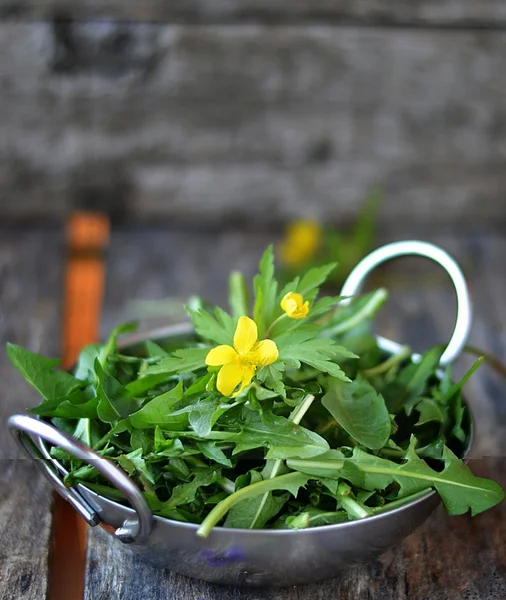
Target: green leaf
{"type": "Point", "coordinates": [430, 411]}
{"type": "Point", "coordinates": [313, 279]}
{"type": "Point", "coordinates": [115, 402]}
{"type": "Point", "coordinates": [209, 328]}
{"type": "Point", "coordinates": [238, 295]}
{"type": "Point", "coordinates": [360, 410]}
{"type": "Point", "coordinates": [185, 493]}
{"type": "Point", "coordinates": [265, 286]}
{"type": "Point", "coordinates": [272, 377]}
{"type": "Point", "coordinates": [133, 462]}
{"type": "Point", "coordinates": [299, 347]}
{"type": "Point", "coordinates": [244, 513]}
{"type": "Point", "coordinates": [158, 411]}
{"type": "Point", "coordinates": [211, 451]}
{"type": "Point", "coordinates": [111, 346]}
{"type": "Point", "coordinates": [40, 373]}
{"type": "Point", "coordinates": [154, 350]}
{"type": "Point", "coordinates": [180, 361]}
{"type": "Point", "coordinates": [283, 438]}
{"type": "Point", "coordinates": [291, 482]}
{"type": "Point", "coordinates": [145, 383]}
{"type": "Point", "coordinates": [412, 381]}
{"type": "Point", "coordinates": [85, 369]}
{"type": "Point", "coordinates": [459, 489]}
{"type": "Point", "coordinates": [67, 410]}
{"type": "Point", "coordinates": [204, 414]}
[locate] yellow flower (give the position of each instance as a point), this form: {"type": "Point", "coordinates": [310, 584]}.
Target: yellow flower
{"type": "Point", "coordinates": [239, 364]}
{"type": "Point", "coordinates": [301, 243]}
{"type": "Point", "coordinates": [294, 306]}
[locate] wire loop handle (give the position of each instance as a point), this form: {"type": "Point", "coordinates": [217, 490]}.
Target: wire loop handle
{"type": "Point", "coordinates": [28, 433]}
{"type": "Point", "coordinates": [357, 277]}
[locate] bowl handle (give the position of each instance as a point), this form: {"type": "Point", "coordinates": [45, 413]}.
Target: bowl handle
{"type": "Point", "coordinates": [357, 277]}
{"type": "Point", "coordinates": [29, 433]}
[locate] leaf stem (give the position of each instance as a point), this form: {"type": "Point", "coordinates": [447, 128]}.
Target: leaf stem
{"type": "Point", "coordinates": [296, 417]}
{"type": "Point", "coordinates": [351, 506]}
{"type": "Point", "coordinates": [367, 311]}
{"type": "Point", "coordinates": [274, 323]}
{"type": "Point", "coordinates": [403, 353]}
{"type": "Point", "coordinates": [226, 484]}
{"type": "Point", "coordinates": [220, 510]}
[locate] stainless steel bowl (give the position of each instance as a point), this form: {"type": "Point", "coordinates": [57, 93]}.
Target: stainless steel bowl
{"type": "Point", "coordinates": [243, 556]}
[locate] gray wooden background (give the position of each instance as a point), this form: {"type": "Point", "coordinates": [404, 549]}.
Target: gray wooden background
{"type": "Point", "coordinates": [254, 111]}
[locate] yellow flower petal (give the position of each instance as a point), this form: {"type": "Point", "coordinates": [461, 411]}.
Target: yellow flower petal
{"type": "Point", "coordinates": [221, 355]}
{"type": "Point", "coordinates": [264, 353]}
{"type": "Point", "coordinates": [294, 306]}
{"type": "Point", "coordinates": [246, 334]}
{"type": "Point", "coordinates": [231, 375]}
{"type": "Point", "coordinates": [247, 376]}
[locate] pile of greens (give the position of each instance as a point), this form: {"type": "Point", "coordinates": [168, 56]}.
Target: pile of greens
{"type": "Point", "coordinates": [293, 418]}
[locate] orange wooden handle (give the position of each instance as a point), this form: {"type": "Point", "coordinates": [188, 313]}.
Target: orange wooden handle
{"type": "Point", "coordinates": [87, 237]}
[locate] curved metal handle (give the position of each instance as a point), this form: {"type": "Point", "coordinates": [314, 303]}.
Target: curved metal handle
{"type": "Point", "coordinates": [28, 433]}
{"type": "Point", "coordinates": [359, 274]}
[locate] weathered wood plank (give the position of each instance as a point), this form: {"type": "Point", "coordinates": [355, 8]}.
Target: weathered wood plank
{"type": "Point", "coordinates": [470, 13]}
{"type": "Point", "coordinates": [25, 522]}
{"type": "Point", "coordinates": [254, 124]}
{"type": "Point", "coordinates": [448, 558]}
{"type": "Point", "coordinates": [30, 263]}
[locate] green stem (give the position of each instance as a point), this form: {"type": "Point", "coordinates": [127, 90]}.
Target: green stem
{"type": "Point", "coordinates": [274, 323]}
{"type": "Point", "coordinates": [221, 509]}
{"type": "Point", "coordinates": [367, 311]}
{"type": "Point", "coordinates": [296, 417]}
{"type": "Point", "coordinates": [404, 352]}
{"type": "Point", "coordinates": [226, 484]}
{"type": "Point", "coordinates": [352, 507]}
{"type": "Point", "coordinates": [494, 362]}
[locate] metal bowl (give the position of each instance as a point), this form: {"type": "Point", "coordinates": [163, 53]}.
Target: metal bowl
{"type": "Point", "coordinates": [238, 556]}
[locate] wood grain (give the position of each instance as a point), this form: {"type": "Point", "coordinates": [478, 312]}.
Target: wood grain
{"type": "Point", "coordinates": [30, 263]}
{"type": "Point", "coordinates": [451, 13]}
{"type": "Point", "coordinates": [448, 558]}
{"type": "Point", "coordinates": [253, 124]}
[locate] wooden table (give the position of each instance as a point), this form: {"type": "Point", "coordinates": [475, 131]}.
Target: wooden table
{"type": "Point", "coordinates": [446, 559]}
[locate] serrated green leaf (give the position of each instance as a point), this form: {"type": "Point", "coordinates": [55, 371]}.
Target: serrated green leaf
{"type": "Point", "coordinates": [154, 350]}
{"type": "Point", "coordinates": [180, 361]}
{"type": "Point", "coordinates": [313, 279]}
{"type": "Point", "coordinates": [209, 328]}
{"type": "Point", "coordinates": [315, 353]}
{"type": "Point", "coordinates": [40, 373]}
{"type": "Point", "coordinates": [185, 493]}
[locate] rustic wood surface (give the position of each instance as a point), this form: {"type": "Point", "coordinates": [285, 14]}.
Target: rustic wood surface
{"type": "Point", "coordinates": [448, 558]}
{"type": "Point", "coordinates": [30, 272]}
{"type": "Point", "coordinates": [452, 13]}
{"type": "Point", "coordinates": [253, 123]}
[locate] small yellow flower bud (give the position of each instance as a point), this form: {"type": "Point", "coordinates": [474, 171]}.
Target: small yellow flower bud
{"type": "Point", "coordinates": [294, 306]}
